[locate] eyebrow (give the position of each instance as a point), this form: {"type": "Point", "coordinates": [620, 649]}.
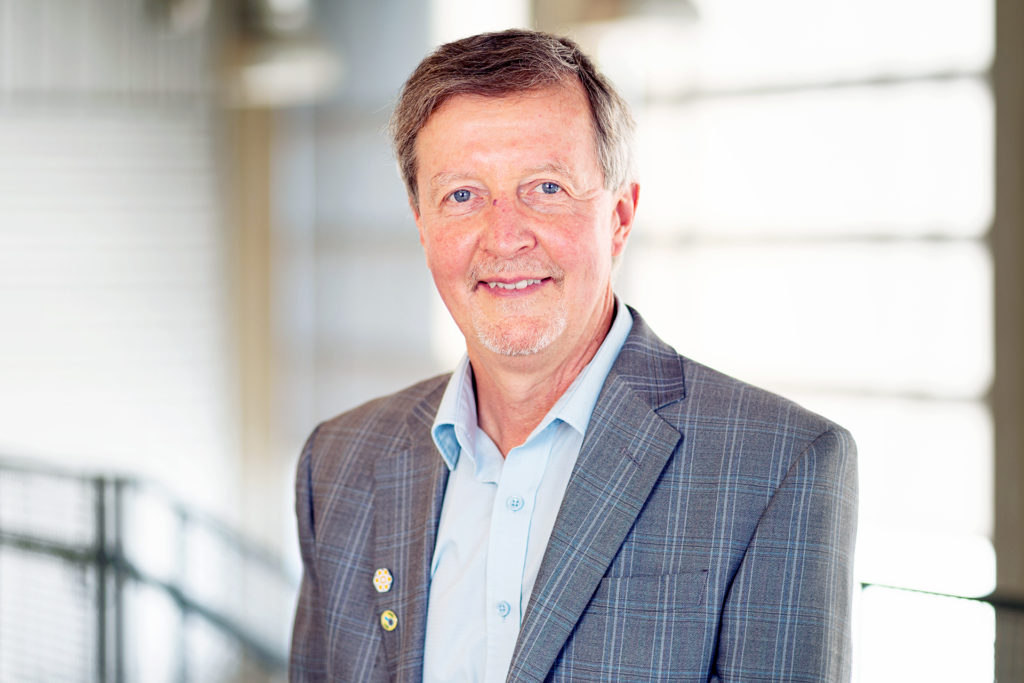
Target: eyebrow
{"type": "Point", "coordinates": [555, 167]}
{"type": "Point", "coordinates": [446, 178]}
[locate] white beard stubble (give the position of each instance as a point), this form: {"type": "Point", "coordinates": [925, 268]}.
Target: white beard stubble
{"type": "Point", "coordinates": [507, 336]}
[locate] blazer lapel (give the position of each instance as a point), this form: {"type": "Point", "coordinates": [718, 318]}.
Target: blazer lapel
{"type": "Point", "coordinates": [408, 494]}
{"type": "Point", "coordinates": [625, 450]}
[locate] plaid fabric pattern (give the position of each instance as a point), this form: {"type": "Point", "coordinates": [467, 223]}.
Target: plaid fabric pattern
{"type": "Point", "coordinates": [706, 535]}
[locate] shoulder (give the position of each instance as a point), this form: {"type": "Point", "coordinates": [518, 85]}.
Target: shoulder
{"type": "Point", "coordinates": [716, 395]}
{"type": "Point", "coordinates": [380, 425]}
{"type": "Point", "coordinates": [717, 412]}
{"type": "Point", "coordinates": [386, 413]}
{"type": "Point", "coordinates": [758, 436]}
{"type": "Point", "coordinates": [742, 450]}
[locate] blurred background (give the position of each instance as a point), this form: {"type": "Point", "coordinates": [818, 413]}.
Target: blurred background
{"type": "Point", "coordinates": [205, 249]}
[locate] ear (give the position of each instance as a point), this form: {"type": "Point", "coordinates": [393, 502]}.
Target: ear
{"type": "Point", "coordinates": [623, 215]}
{"type": "Point", "coordinates": [416, 216]}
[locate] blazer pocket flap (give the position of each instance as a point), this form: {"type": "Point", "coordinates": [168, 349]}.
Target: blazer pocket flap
{"type": "Point", "coordinates": [661, 593]}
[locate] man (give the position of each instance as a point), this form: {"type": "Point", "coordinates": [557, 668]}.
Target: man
{"type": "Point", "coordinates": [576, 501]}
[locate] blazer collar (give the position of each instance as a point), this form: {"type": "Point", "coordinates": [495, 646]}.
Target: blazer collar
{"type": "Point", "coordinates": [409, 490]}
{"type": "Point", "coordinates": [625, 449]}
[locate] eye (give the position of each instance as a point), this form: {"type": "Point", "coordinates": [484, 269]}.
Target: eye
{"type": "Point", "coordinates": [461, 196]}
{"type": "Point", "coordinates": [549, 187]}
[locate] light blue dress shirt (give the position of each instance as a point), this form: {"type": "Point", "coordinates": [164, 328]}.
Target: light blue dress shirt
{"type": "Point", "coordinates": [497, 517]}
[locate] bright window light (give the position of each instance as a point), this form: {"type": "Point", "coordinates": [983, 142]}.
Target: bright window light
{"type": "Point", "coordinates": [745, 44]}
{"type": "Point", "coordinates": [863, 317]}
{"type": "Point", "coordinates": [902, 160]}
{"type": "Point", "coordinates": [905, 636]}
{"type": "Point", "coordinates": [944, 562]}
{"type": "Point", "coordinates": [750, 43]}
{"type": "Point", "coordinates": [925, 464]}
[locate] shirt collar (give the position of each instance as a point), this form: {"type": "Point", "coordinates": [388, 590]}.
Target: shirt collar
{"type": "Point", "coordinates": [455, 424]}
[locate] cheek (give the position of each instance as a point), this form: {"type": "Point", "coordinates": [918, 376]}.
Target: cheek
{"type": "Point", "coordinates": [447, 257]}
{"type": "Point", "coordinates": [581, 245]}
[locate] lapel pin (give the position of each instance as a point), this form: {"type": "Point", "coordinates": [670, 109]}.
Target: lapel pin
{"type": "Point", "coordinates": [382, 580]}
{"type": "Point", "coordinates": [388, 620]}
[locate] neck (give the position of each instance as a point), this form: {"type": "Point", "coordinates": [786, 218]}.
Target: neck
{"type": "Point", "coordinates": [514, 393]}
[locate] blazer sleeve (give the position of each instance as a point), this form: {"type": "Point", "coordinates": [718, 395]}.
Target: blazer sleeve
{"type": "Point", "coordinates": [308, 652]}
{"type": "Point", "coordinates": [787, 612]}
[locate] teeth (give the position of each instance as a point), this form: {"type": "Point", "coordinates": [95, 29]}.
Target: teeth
{"type": "Point", "coordinates": [522, 284]}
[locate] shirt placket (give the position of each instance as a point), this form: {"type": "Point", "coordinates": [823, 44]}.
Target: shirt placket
{"type": "Point", "coordinates": [508, 542]}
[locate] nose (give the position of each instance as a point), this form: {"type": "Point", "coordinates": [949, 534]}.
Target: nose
{"type": "Point", "coordinates": [507, 231]}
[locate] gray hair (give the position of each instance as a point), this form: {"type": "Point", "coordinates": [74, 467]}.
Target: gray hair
{"type": "Point", "coordinates": [501, 64]}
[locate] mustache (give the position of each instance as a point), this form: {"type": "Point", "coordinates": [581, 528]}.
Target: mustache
{"type": "Point", "coordinates": [520, 265]}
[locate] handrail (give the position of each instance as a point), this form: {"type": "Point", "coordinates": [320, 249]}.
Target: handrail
{"type": "Point", "coordinates": [105, 551]}
{"type": "Point", "coordinates": [995, 599]}
{"type": "Point", "coordinates": [119, 563]}
{"type": "Point", "coordinates": [252, 550]}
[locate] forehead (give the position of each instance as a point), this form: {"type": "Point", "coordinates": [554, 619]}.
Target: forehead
{"type": "Point", "coordinates": [550, 95]}
{"type": "Point", "coordinates": [559, 115]}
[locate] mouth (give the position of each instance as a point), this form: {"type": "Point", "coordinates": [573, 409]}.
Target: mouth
{"type": "Point", "coordinates": [517, 284]}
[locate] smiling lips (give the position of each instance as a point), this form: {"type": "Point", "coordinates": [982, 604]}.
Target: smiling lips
{"type": "Point", "coordinates": [521, 284]}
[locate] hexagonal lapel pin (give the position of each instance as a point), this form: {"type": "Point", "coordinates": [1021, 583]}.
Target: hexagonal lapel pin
{"type": "Point", "coordinates": [382, 580]}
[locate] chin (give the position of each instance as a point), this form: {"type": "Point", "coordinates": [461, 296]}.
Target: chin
{"type": "Point", "coordinates": [510, 338]}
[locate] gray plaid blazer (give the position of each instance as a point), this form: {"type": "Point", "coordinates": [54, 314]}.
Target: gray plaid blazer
{"type": "Point", "coordinates": [706, 533]}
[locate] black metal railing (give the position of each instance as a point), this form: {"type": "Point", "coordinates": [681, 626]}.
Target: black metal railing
{"type": "Point", "coordinates": [111, 579]}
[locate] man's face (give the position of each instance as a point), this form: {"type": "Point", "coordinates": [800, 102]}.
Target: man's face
{"type": "Point", "coordinates": [518, 229]}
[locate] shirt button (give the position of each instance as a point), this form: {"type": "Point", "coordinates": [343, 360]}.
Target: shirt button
{"type": "Point", "coordinates": [514, 503]}
{"type": "Point", "coordinates": [504, 608]}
